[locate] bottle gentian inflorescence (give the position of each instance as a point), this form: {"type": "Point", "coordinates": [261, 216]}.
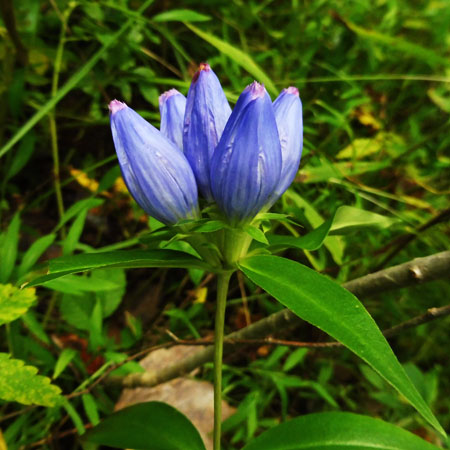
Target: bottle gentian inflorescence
{"type": "Point", "coordinates": [243, 160]}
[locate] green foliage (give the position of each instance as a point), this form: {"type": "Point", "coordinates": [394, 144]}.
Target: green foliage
{"type": "Point", "coordinates": [336, 311]}
{"type": "Point", "coordinates": [14, 302]}
{"type": "Point", "coordinates": [372, 191]}
{"type": "Point", "coordinates": [334, 430]}
{"type": "Point", "coordinates": [20, 383]}
{"type": "Point", "coordinates": [150, 425]}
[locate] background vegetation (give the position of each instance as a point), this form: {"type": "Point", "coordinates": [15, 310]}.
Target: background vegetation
{"type": "Point", "coordinates": [374, 80]}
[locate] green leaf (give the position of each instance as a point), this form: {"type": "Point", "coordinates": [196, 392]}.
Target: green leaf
{"type": "Point", "coordinates": [8, 249]}
{"type": "Point", "coordinates": [63, 361]}
{"type": "Point", "coordinates": [339, 313]}
{"type": "Point", "coordinates": [334, 244]}
{"type": "Point", "coordinates": [34, 253]}
{"type": "Point", "coordinates": [22, 155]}
{"type": "Point", "coordinates": [349, 219]}
{"type": "Point", "coordinates": [14, 302]}
{"type": "Point", "coordinates": [77, 208]}
{"type": "Point", "coordinates": [346, 219]}
{"type": "Point", "coordinates": [150, 425]}
{"type": "Point", "coordinates": [238, 56]}
{"type": "Point", "coordinates": [180, 15]}
{"type": "Point", "coordinates": [19, 383]}
{"type": "Point", "coordinates": [337, 430]}
{"type": "Point", "coordinates": [256, 234]}
{"type": "Point", "coordinates": [79, 285]}
{"type": "Point", "coordinates": [74, 234]}
{"type": "Point", "coordinates": [126, 259]}
{"type": "Point", "coordinates": [311, 241]}
{"type": "Point", "coordinates": [90, 407]}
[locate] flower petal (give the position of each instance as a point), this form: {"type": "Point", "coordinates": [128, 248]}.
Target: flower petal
{"type": "Point", "coordinates": [172, 105]}
{"type": "Point", "coordinates": [207, 112]}
{"type": "Point", "coordinates": [246, 165]}
{"type": "Point", "coordinates": [156, 173]}
{"type": "Point", "coordinates": [288, 114]}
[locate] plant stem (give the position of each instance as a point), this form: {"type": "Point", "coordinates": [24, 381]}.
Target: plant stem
{"type": "Point", "coordinates": [52, 119]}
{"type": "Point", "coordinates": [223, 280]}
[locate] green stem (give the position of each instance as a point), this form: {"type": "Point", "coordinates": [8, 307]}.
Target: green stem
{"type": "Point", "coordinates": [223, 280]}
{"type": "Point", "coordinates": [52, 119]}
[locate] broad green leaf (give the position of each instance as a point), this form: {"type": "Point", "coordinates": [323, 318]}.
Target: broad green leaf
{"type": "Point", "coordinates": [333, 309]}
{"type": "Point", "coordinates": [348, 219]}
{"type": "Point", "coordinates": [126, 259]}
{"type": "Point", "coordinates": [20, 383]}
{"type": "Point", "coordinates": [238, 56]}
{"type": "Point", "coordinates": [337, 430]}
{"type": "Point", "coordinates": [34, 253]}
{"type": "Point", "coordinates": [180, 15]}
{"type": "Point", "coordinates": [150, 425]}
{"type": "Point", "coordinates": [14, 302]}
{"type": "Point", "coordinates": [8, 249]}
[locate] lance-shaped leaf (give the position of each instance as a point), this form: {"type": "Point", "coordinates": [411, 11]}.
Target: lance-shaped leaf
{"type": "Point", "coordinates": [14, 302]}
{"type": "Point", "coordinates": [59, 267]}
{"type": "Point", "coordinates": [337, 430]}
{"type": "Point", "coordinates": [333, 309]}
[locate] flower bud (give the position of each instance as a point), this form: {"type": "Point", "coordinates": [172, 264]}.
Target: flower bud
{"type": "Point", "coordinates": [246, 165]}
{"type": "Point", "coordinates": [172, 105]}
{"type": "Point", "coordinates": [288, 114]}
{"type": "Point", "coordinates": [156, 173]}
{"type": "Point", "coordinates": [207, 112]}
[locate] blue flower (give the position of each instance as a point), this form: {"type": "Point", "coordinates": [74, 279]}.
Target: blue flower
{"type": "Point", "coordinates": [207, 112]}
{"type": "Point", "coordinates": [172, 105]}
{"type": "Point", "coordinates": [246, 165]}
{"type": "Point", "coordinates": [243, 160]}
{"type": "Point", "coordinates": [288, 114]}
{"type": "Point", "coordinates": [155, 171]}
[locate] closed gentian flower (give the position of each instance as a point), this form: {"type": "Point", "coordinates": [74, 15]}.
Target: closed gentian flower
{"type": "Point", "coordinates": [288, 114]}
{"type": "Point", "coordinates": [207, 112]}
{"type": "Point", "coordinates": [246, 165]}
{"type": "Point", "coordinates": [172, 105]}
{"type": "Point", "coordinates": [155, 171]}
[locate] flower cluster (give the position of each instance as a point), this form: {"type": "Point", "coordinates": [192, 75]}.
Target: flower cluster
{"type": "Point", "coordinates": [242, 159]}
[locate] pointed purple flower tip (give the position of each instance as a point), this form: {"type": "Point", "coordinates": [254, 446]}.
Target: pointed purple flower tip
{"type": "Point", "coordinates": [155, 171]}
{"type": "Point", "coordinates": [172, 106]}
{"type": "Point", "coordinates": [207, 112]}
{"type": "Point", "coordinates": [202, 67]}
{"type": "Point", "coordinates": [255, 90]}
{"type": "Point", "coordinates": [166, 95]}
{"type": "Point", "coordinates": [115, 106]}
{"type": "Point", "coordinates": [288, 114]}
{"type": "Point", "coordinates": [246, 165]}
{"type": "Point", "coordinates": [292, 90]}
